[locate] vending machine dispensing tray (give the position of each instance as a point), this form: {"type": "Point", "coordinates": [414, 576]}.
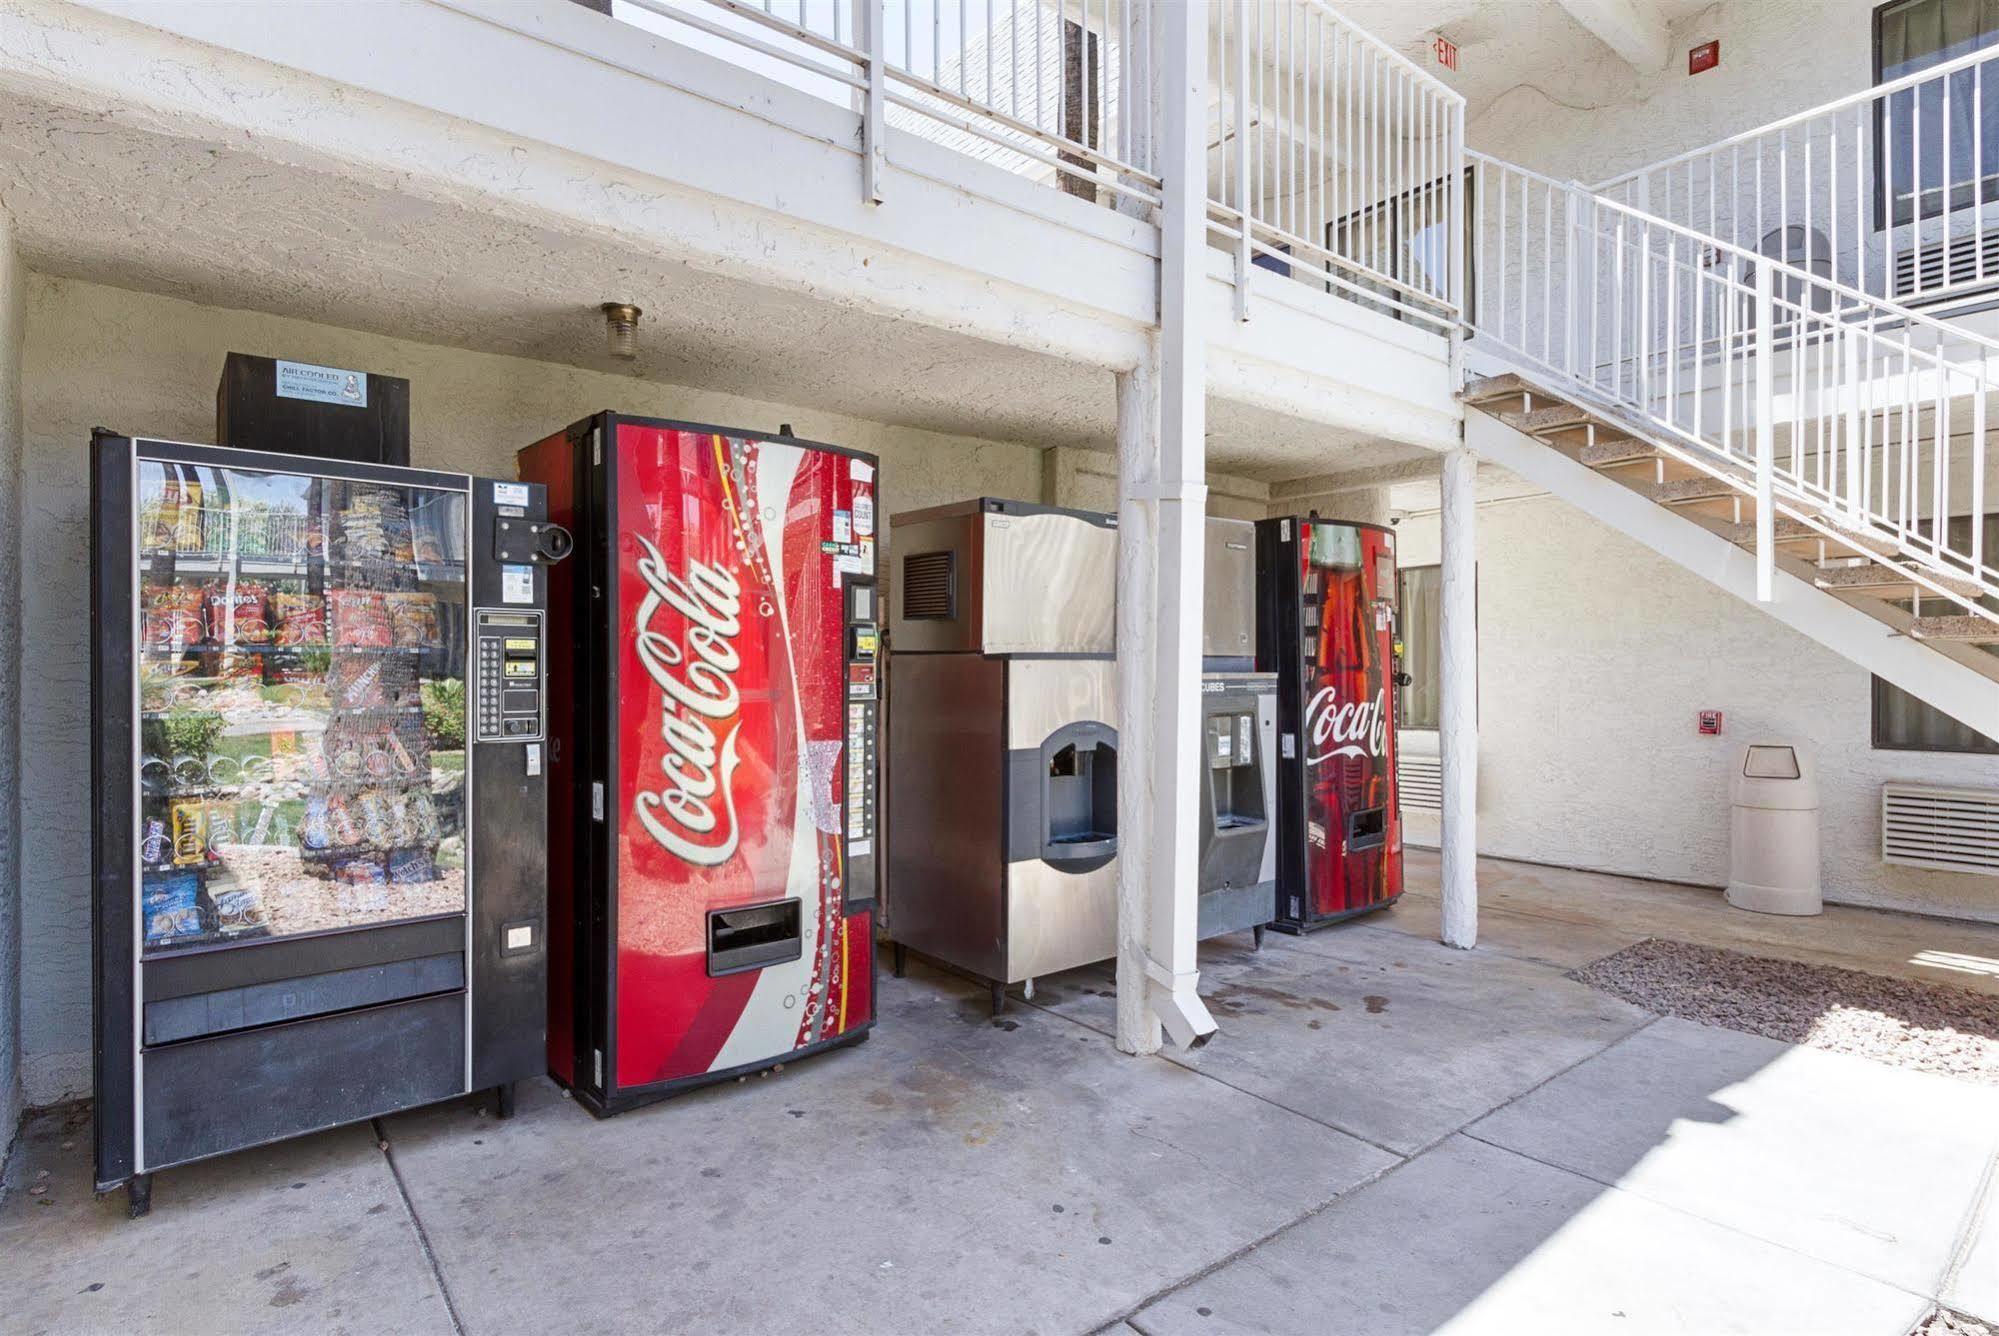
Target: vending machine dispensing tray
{"type": "Point", "coordinates": [318, 876]}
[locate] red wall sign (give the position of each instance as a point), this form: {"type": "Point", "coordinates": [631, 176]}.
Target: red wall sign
{"type": "Point", "coordinates": [1447, 52]}
{"type": "Point", "coordinates": [1704, 57]}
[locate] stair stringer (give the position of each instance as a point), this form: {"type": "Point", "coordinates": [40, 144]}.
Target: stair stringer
{"type": "Point", "coordinates": [1936, 679]}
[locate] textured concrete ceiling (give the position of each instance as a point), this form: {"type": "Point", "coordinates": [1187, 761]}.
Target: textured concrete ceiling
{"type": "Point", "coordinates": [103, 201]}
{"type": "Point", "coordinates": [1504, 44]}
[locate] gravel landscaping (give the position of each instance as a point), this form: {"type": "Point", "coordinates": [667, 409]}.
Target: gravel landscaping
{"type": "Point", "coordinates": [1927, 1026]}
{"type": "Point", "coordinates": [1943, 1322]}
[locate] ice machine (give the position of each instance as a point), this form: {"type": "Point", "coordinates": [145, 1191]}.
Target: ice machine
{"type": "Point", "coordinates": [1003, 747]}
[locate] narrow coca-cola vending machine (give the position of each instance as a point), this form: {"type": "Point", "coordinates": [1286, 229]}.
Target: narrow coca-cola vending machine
{"type": "Point", "coordinates": [713, 716]}
{"type": "Point", "coordinates": [1326, 625]}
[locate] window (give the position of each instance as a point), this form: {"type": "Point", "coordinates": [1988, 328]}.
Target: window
{"type": "Point", "coordinates": [1915, 126]}
{"type": "Point", "coordinates": [1904, 723]}
{"type": "Point", "coordinates": [1418, 594]}
{"type": "Point", "coordinates": [1406, 237]}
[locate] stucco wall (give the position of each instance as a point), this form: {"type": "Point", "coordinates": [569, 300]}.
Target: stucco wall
{"type": "Point", "coordinates": [1777, 57]}
{"type": "Point", "coordinates": [1595, 656]}
{"type": "Point", "coordinates": [98, 356]}
{"type": "Point", "coordinates": [12, 302]}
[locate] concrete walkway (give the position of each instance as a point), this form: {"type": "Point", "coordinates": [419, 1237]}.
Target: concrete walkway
{"type": "Point", "coordinates": [1386, 1137]}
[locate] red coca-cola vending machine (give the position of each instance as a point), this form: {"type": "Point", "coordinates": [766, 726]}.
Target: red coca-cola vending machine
{"type": "Point", "coordinates": [712, 718]}
{"type": "Point", "coordinates": [1325, 625]}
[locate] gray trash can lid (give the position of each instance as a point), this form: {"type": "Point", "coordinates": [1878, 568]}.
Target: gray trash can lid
{"type": "Point", "coordinates": [1774, 775]}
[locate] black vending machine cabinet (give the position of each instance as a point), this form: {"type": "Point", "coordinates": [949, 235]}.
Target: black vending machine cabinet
{"type": "Point", "coordinates": [320, 835]}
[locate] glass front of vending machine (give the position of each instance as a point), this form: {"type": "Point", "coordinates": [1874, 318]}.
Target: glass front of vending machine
{"type": "Point", "coordinates": [317, 751]}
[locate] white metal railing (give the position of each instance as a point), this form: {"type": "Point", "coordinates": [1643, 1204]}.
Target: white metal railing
{"type": "Point", "coordinates": [1345, 158]}
{"type": "Point", "coordinates": [1893, 190]}
{"type": "Point", "coordinates": [1038, 87]}
{"type": "Point", "coordinates": [1851, 414]}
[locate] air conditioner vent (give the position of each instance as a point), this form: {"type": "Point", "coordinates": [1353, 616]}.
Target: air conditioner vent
{"type": "Point", "coordinates": [1926, 268]}
{"type": "Point", "coordinates": [1420, 780]}
{"type": "Point", "coordinates": [930, 586]}
{"type": "Point", "coordinates": [1956, 830]}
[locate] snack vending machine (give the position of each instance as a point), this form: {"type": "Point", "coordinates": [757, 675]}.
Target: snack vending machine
{"type": "Point", "coordinates": [1326, 624]}
{"type": "Point", "coordinates": [319, 867]}
{"type": "Point", "coordinates": [714, 754]}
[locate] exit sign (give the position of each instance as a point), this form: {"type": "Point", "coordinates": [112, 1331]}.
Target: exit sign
{"type": "Point", "coordinates": [1446, 52]}
{"type": "Point", "coordinates": [1704, 57]}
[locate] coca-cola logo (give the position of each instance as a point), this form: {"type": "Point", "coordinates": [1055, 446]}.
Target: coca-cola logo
{"type": "Point", "coordinates": [1344, 728]}
{"type": "Point", "coordinates": [696, 676]}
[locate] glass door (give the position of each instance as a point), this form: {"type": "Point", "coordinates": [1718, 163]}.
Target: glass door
{"type": "Point", "coordinates": [301, 690]}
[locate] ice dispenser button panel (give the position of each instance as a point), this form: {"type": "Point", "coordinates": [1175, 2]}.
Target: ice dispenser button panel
{"type": "Point", "coordinates": [510, 676]}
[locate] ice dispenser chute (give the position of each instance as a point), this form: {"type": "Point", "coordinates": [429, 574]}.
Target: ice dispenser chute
{"type": "Point", "coordinates": [1062, 798]}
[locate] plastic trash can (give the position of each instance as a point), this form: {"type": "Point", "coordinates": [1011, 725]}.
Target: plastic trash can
{"type": "Point", "coordinates": [1773, 831]}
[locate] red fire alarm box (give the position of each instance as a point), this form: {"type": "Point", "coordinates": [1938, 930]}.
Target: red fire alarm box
{"type": "Point", "coordinates": [1704, 57]}
{"type": "Point", "coordinates": [1710, 722]}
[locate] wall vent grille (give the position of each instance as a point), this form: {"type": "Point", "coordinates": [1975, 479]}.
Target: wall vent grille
{"type": "Point", "coordinates": [1956, 830]}
{"type": "Point", "coordinates": [930, 586]}
{"type": "Point", "coordinates": [1420, 780]}
{"type": "Point", "coordinates": [1921, 270]}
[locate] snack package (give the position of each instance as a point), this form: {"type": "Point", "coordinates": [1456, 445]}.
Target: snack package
{"type": "Point", "coordinates": [153, 847]}
{"type": "Point", "coordinates": [239, 909]}
{"type": "Point", "coordinates": [343, 818]}
{"type": "Point", "coordinates": [361, 870]}
{"type": "Point", "coordinates": [170, 903]}
{"type": "Point", "coordinates": [408, 867]}
{"type": "Point", "coordinates": [159, 518]}
{"type": "Point", "coordinates": [172, 620]}
{"type": "Point", "coordinates": [358, 682]}
{"type": "Point", "coordinates": [300, 619]}
{"type": "Point", "coordinates": [414, 619]}
{"type": "Point", "coordinates": [360, 619]}
{"type": "Point", "coordinates": [316, 835]}
{"type": "Point", "coordinates": [427, 538]}
{"type": "Point", "coordinates": [188, 535]}
{"type": "Point", "coordinates": [190, 827]}
{"type": "Point", "coordinates": [237, 615]}
{"type": "Point", "coordinates": [231, 667]}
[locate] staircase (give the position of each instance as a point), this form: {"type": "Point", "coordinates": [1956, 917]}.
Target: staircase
{"type": "Point", "coordinates": [1818, 449]}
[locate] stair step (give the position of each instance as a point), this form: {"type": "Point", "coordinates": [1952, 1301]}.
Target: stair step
{"type": "Point", "coordinates": [1703, 487]}
{"type": "Point", "coordinates": [1791, 531]}
{"type": "Point", "coordinates": [1887, 582]}
{"type": "Point", "coordinates": [1621, 450]}
{"type": "Point", "coordinates": [1488, 388]}
{"type": "Point", "coordinates": [1545, 421]}
{"type": "Point", "coordinates": [1966, 629]}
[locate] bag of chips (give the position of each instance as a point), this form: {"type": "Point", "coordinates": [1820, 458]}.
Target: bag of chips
{"type": "Point", "coordinates": [172, 619]}
{"type": "Point", "coordinates": [360, 619]}
{"type": "Point", "coordinates": [358, 682]}
{"type": "Point", "coordinates": [301, 618]}
{"type": "Point", "coordinates": [190, 823]}
{"type": "Point", "coordinates": [414, 618]}
{"type": "Point", "coordinates": [236, 614]}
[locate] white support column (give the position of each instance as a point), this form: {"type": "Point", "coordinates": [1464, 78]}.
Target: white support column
{"type": "Point", "coordinates": [13, 301]}
{"type": "Point", "coordinates": [1459, 714]}
{"type": "Point", "coordinates": [1162, 503]}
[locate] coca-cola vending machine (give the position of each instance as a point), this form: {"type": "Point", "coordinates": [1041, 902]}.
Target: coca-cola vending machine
{"type": "Point", "coordinates": [713, 715]}
{"type": "Point", "coordinates": [1326, 625]}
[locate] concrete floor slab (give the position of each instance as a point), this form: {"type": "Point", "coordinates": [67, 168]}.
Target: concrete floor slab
{"type": "Point", "coordinates": [309, 1236]}
{"type": "Point", "coordinates": [952, 1173]}
{"type": "Point", "coordinates": [1851, 1161]}
{"type": "Point", "coordinates": [1553, 914]}
{"type": "Point", "coordinates": [1392, 1039]}
{"type": "Point", "coordinates": [1974, 1287]}
{"type": "Point", "coordinates": [1470, 1238]}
